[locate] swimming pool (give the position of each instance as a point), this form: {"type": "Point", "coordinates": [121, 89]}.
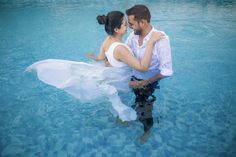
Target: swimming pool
{"type": "Point", "coordinates": [195, 114]}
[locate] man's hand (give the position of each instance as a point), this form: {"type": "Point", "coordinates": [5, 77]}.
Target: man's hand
{"type": "Point", "coordinates": [138, 84]}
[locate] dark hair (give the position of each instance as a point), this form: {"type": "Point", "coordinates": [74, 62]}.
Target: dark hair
{"type": "Point", "coordinates": [140, 12]}
{"type": "Point", "coordinates": [111, 21]}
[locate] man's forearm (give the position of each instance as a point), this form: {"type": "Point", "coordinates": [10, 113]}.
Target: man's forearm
{"type": "Point", "coordinates": [155, 78]}
{"type": "Point", "coordinates": [140, 84]}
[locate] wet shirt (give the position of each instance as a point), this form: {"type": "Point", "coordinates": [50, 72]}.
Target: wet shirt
{"type": "Point", "coordinates": [161, 60]}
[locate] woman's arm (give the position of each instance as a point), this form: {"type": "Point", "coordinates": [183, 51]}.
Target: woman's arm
{"type": "Point", "coordinates": [122, 53]}
{"type": "Point", "coordinates": [101, 56]}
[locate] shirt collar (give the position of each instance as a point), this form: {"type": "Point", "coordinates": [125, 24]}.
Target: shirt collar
{"type": "Point", "coordinates": [147, 37]}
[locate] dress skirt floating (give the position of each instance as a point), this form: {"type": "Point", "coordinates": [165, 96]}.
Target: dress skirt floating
{"type": "Point", "coordinates": [87, 82]}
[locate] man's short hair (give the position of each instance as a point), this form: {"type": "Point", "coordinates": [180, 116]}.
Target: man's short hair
{"type": "Point", "coordinates": [140, 12]}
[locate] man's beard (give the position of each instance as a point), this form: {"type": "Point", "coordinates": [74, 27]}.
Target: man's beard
{"type": "Point", "coordinates": [137, 32]}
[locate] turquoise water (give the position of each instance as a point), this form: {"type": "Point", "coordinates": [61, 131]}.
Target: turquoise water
{"type": "Point", "coordinates": [195, 113]}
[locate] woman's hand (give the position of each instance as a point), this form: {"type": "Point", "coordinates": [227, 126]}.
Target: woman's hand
{"type": "Point", "coordinates": [107, 63]}
{"type": "Point", "coordinates": [156, 36]}
{"type": "Point", "coordinates": [91, 55]}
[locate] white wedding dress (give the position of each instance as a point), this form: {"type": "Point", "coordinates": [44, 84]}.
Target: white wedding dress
{"type": "Point", "coordinates": [88, 82]}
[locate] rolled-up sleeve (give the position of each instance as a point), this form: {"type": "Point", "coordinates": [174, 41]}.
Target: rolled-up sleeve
{"type": "Point", "coordinates": [165, 60]}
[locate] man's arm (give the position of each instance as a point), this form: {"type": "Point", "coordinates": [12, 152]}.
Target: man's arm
{"type": "Point", "coordinates": [139, 84]}
{"type": "Point", "coordinates": [165, 65]}
{"type": "Point", "coordinates": [154, 78]}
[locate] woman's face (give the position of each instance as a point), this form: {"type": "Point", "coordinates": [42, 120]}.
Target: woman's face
{"type": "Point", "coordinates": [123, 27]}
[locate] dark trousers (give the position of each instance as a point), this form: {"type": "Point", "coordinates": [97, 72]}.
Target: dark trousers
{"type": "Point", "coordinates": [144, 100]}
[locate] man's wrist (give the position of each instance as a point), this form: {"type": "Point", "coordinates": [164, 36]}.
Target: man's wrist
{"type": "Point", "coordinates": [146, 82]}
{"type": "Point", "coordinates": [149, 81]}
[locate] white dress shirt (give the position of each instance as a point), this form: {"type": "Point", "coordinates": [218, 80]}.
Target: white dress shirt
{"type": "Point", "coordinates": [161, 60]}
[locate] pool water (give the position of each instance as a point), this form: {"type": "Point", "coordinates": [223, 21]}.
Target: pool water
{"type": "Point", "coordinates": [195, 111]}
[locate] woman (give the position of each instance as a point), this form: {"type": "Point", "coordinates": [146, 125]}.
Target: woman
{"type": "Point", "coordinates": [89, 82]}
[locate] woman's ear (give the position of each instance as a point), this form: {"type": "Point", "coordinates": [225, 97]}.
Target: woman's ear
{"type": "Point", "coordinates": [116, 30]}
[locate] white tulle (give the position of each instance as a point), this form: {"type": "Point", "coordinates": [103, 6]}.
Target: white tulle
{"type": "Point", "coordinates": [87, 82]}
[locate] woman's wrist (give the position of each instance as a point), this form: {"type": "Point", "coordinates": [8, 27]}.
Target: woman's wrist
{"type": "Point", "coordinates": [151, 42]}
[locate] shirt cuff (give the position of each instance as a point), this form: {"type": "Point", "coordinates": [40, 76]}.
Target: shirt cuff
{"type": "Point", "coordinates": [166, 72]}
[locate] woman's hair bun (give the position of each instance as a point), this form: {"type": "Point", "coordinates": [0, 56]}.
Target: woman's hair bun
{"type": "Point", "coordinates": [101, 19]}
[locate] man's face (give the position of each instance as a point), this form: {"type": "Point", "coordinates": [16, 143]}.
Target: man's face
{"type": "Point", "coordinates": [135, 25]}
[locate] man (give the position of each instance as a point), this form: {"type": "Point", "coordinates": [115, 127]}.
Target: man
{"type": "Point", "coordinates": [145, 83]}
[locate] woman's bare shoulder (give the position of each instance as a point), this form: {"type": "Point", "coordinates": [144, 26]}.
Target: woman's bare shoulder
{"type": "Point", "coordinates": [121, 50]}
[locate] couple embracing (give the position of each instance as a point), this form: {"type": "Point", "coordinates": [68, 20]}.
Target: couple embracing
{"type": "Point", "coordinates": [146, 50]}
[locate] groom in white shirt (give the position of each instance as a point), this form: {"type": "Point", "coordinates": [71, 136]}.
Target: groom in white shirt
{"type": "Point", "coordinates": [145, 83]}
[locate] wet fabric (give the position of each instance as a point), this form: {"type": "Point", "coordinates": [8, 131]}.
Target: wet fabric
{"type": "Point", "coordinates": [144, 101]}
{"type": "Point", "coordinates": [79, 79]}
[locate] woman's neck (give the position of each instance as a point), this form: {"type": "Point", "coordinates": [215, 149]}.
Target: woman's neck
{"type": "Point", "coordinates": [117, 38]}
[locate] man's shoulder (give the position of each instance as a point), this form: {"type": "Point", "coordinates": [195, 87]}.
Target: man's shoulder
{"type": "Point", "coordinates": [156, 30]}
{"type": "Point", "coordinates": [165, 38]}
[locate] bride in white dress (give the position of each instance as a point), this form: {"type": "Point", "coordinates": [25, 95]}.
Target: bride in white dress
{"type": "Point", "coordinates": [88, 81]}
